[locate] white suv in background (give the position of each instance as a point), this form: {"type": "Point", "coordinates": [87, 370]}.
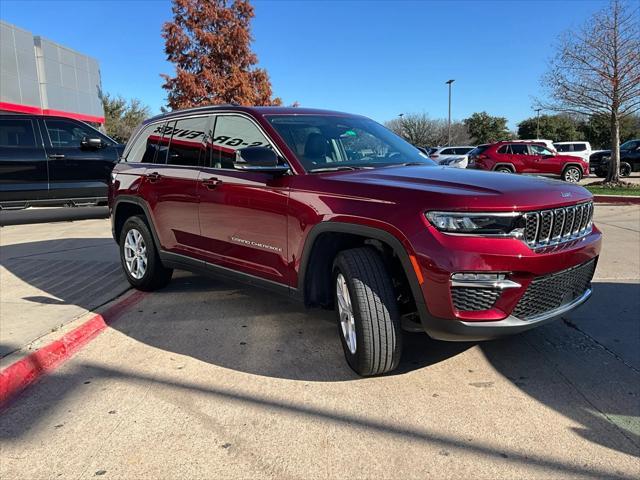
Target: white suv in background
{"type": "Point", "coordinates": [574, 149]}
{"type": "Point", "coordinates": [452, 156]}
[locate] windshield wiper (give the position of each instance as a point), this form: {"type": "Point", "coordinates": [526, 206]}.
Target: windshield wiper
{"type": "Point", "coordinates": [336, 169]}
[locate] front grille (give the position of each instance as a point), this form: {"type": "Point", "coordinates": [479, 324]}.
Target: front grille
{"type": "Point", "coordinates": [550, 227]}
{"type": "Point", "coordinates": [550, 292]}
{"type": "Point", "coordinates": [473, 299]}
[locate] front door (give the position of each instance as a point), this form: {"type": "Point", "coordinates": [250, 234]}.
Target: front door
{"type": "Point", "coordinates": [74, 171]}
{"type": "Point", "coordinates": [243, 215]}
{"type": "Point", "coordinates": [23, 163]}
{"type": "Point", "coordinates": [545, 161]}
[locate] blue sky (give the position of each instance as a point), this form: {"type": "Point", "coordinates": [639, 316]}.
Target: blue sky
{"type": "Point", "coordinates": [376, 58]}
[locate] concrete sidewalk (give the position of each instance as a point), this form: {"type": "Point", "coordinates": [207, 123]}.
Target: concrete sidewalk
{"type": "Point", "coordinates": [51, 273]}
{"type": "Point", "coordinates": [205, 379]}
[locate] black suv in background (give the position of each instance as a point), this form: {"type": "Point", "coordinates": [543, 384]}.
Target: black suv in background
{"type": "Point", "coordinates": [48, 160]}
{"type": "Point", "coordinates": [629, 159]}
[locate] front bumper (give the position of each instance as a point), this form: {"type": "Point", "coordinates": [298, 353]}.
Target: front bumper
{"type": "Point", "coordinates": [452, 254]}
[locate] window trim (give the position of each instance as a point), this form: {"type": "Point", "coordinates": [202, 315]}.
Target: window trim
{"type": "Point", "coordinates": [33, 129]}
{"type": "Point", "coordinates": [214, 114]}
{"type": "Point", "coordinates": [78, 124]}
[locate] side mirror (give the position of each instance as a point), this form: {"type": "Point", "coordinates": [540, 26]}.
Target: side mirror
{"type": "Point", "coordinates": [91, 143]}
{"type": "Point", "coordinates": [258, 159]}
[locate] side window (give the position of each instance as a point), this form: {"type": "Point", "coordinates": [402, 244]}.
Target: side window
{"type": "Point", "coordinates": [17, 133]}
{"type": "Point", "coordinates": [63, 133]}
{"type": "Point", "coordinates": [231, 133]}
{"type": "Point", "coordinates": [504, 149]}
{"type": "Point", "coordinates": [145, 148]}
{"type": "Point", "coordinates": [447, 151]}
{"type": "Point", "coordinates": [540, 150]}
{"type": "Point", "coordinates": [519, 149]}
{"type": "Point", "coordinates": [189, 138]}
{"type": "Point", "coordinates": [579, 147]}
{"type": "Point", "coordinates": [566, 147]}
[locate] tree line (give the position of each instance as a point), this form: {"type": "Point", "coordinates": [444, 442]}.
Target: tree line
{"type": "Point", "coordinates": [592, 85]}
{"type": "Point", "coordinates": [421, 130]}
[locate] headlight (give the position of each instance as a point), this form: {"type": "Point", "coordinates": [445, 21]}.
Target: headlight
{"type": "Point", "coordinates": [501, 224]}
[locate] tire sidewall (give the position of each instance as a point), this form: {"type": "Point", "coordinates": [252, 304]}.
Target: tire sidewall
{"type": "Point", "coordinates": [503, 170]}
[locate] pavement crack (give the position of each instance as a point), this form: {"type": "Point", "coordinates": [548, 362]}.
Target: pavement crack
{"type": "Point", "coordinates": [584, 397]}
{"type": "Point", "coordinates": [572, 325]}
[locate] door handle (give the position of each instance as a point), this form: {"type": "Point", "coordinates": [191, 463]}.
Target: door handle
{"type": "Point", "coordinates": [211, 183]}
{"type": "Point", "coordinates": [56, 156]}
{"type": "Point", "coordinates": [153, 177]}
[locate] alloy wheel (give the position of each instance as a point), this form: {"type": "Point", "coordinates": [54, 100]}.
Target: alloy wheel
{"type": "Point", "coordinates": [135, 254]}
{"type": "Point", "coordinates": [345, 312]}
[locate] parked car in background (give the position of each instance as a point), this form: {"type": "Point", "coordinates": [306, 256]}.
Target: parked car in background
{"type": "Point", "coordinates": [546, 143]}
{"type": "Point", "coordinates": [337, 211]}
{"type": "Point", "coordinates": [528, 158]}
{"type": "Point", "coordinates": [629, 160]}
{"type": "Point", "coordinates": [451, 156]}
{"type": "Point", "coordinates": [50, 160]}
{"type": "Point", "coordinates": [574, 149]}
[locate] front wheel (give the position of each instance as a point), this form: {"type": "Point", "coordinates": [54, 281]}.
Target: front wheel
{"type": "Point", "coordinates": [504, 170]}
{"type": "Point", "coordinates": [368, 317]}
{"type": "Point", "coordinates": [572, 175]}
{"type": "Point", "coordinates": [139, 257]}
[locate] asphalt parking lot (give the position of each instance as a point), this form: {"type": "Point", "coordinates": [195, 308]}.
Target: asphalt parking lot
{"type": "Point", "coordinates": [212, 379]}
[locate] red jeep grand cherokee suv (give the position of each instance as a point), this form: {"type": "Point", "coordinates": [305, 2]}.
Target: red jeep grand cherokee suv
{"type": "Point", "coordinates": [528, 157]}
{"type": "Point", "coordinates": [337, 211]}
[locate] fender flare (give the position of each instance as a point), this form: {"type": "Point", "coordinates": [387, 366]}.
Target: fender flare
{"type": "Point", "coordinates": [572, 164]}
{"type": "Point", "coordinates": [145, 208]}
{"type": "Point", "coordinates": [364, 231]}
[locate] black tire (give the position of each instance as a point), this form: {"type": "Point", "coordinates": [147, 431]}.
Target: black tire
{"type": "Point", "coordinates": [156, 275]}
{"type": "Point", "coordinates": [504, 170]}
{"type": "Point", "coordinates": [375, 312]}
{"type": "Point", "coordinates": [625, 170]}
{"type": "Point", "coordinates": [570, 173]}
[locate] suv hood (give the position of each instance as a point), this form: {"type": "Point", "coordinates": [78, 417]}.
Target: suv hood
{"type": "Point", "coordinates": [461, 189]}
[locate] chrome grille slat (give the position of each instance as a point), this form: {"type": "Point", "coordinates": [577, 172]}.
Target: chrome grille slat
{"type": "Point", "coordinates": [558, 225]}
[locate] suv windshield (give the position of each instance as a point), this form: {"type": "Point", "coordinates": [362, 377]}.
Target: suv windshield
{"type": "Point", "coordinates": [630, 145]}
{"type": "Point", "coordinates": [326, 142]}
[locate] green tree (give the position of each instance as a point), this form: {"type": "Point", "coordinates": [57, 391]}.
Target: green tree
{"type": "Point", "coordinates": [597, 130]}
{"type": "Point", "coordinates": [559, 128]}
{"type": "Point", "coordinates": [485, 128]}
{"type": "Point", "coordinates": [121, 117]}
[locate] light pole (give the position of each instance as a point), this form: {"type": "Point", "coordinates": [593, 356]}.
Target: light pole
{"type": "Point", "coordinates": [449, 82]}
{"type": "Point", "coordinates": [538, 124]}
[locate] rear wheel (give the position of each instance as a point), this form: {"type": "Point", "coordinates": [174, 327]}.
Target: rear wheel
{"type": "Point", "coordinates": [139, 257]}
{"type": "Point", "coordinates": [572, 174]}
{"type": "Point", "coordinates": [625, 170]}
{"type": "Point", "coordinates": [504, 170]}
{"type": "Point", "coordinates": [368, 318]}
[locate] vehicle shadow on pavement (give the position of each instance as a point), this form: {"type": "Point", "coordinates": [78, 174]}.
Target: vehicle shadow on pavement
{"type": "Point", "coordinates": [569, 368]}
{"type": "Point", "coordinates": [251, 330]}
{"type": "Point", "coordinates": [46, 215]}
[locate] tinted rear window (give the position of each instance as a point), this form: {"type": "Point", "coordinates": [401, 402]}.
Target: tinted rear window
{"type": "Point", "coordinates": [567, 147]}
{"type": "Point", "coordinates": [17, 133]}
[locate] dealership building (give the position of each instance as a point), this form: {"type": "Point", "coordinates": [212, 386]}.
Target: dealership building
{"type": "Point", "coordinates": [39, 76]}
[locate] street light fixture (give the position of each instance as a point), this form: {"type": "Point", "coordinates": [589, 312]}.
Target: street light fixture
{"type": "Point", "coordinates": [538, 124]}
{"type": "Point", "coordinates": [449, 82]}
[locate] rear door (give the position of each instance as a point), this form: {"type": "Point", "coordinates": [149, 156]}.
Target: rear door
{"type": "Point", "coordinates": [243, 215]}
{"type": "Point", "coordinates": [521, 159]}
{"type": "Point", "coordinates": [170, 185]}
{"type": "Point", "coordinates": [23, 162]}
{"type": "Point", "coordinates": [74, 171]}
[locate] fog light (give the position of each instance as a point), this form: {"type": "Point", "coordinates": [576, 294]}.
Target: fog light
{"type": "Point", "coordinates": [483, 280]}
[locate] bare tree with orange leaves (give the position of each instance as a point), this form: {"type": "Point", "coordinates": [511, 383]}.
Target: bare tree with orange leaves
{"type": "Point", "coordinates": [209, 41]}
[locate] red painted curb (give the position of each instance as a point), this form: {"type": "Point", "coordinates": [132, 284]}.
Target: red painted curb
{"type": "Point", "coordinates": [626, 199]}
{"type": "Point", "coordinates": [19, 375]}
